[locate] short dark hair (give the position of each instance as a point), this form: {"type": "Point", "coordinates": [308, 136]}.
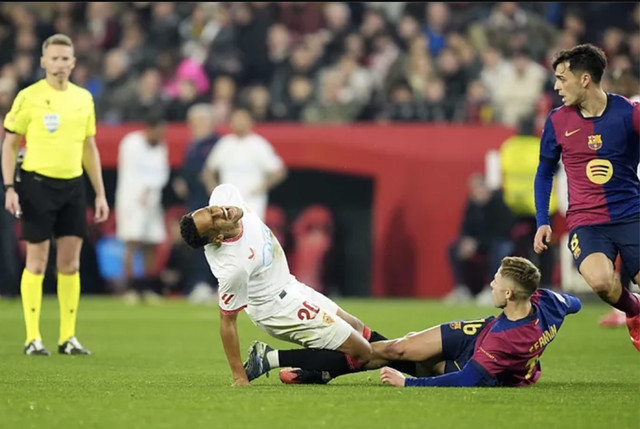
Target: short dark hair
{"type": "Point", "coordinates": [189, 232]}
{"type": "Point", "coordinates": [523, 273]}
{"type": "Point", "coordinates": [587, 57]}
{"type": "Point", "coordinates": [154, 117]}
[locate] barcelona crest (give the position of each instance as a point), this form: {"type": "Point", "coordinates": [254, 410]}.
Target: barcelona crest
{"type": "Point", "coordinates": [595, 141]}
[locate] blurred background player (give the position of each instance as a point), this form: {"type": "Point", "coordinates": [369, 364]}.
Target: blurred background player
{"type": "Point", "coordinates": [484, 240]}
{"type": "Point", "coordinates": [596, 133]}
{"type": "Point", "coordinates": [247, 161]}
{"type": "Point", "coordinates": [143, 171]}
{"type": "Point", "coordinates": [202, 121]}
{"type": "Point", "coordinates": [57, 119]}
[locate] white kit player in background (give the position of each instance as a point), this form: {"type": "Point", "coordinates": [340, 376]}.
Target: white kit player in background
{"type": "Point", "coordinates": [143, 171]}
{"type": "Point", "coordinates": [247, 161]}
{"type": "Point", "coordinates": [253, 275]}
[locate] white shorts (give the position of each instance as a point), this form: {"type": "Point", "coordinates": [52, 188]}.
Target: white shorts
{"type": "Point", "coordinates": [307, 318]}
{"type": "Point", "coordinates": [145, 225]}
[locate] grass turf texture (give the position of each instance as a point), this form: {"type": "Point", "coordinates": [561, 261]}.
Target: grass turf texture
{"type": "Point", "coordinates": [164, 367]}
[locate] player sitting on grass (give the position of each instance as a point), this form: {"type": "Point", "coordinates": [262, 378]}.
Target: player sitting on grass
{"type": "Point", "coordinates": [494, 351]}
{"type": "Point", "coordinates": [253, 275]}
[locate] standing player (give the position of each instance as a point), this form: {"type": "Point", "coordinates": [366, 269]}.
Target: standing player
{"type": "Point", "coordinates": [143, 171]}
{"type": "Point", "coordinates": [247, 161]}
{"type": "Point", "coordinates": [57, 119]}
{"type": "Point", "coordinates": [253, 275]}
{"type": "Point", "coordinates": [493, 351]}
{"type": "Point", "coordinates": [597, 135]}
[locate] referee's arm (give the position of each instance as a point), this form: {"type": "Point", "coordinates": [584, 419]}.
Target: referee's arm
{"type": "Point", "coordinates": [9, 154]}
{"type": "Point", "coordinates": [93, 167]}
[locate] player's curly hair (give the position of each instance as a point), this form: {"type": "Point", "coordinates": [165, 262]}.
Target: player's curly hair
{"type": "Point", "coordinates": [523, 272]}
{"type": "Point", "coordinates": [586, 57]}
{"type": "Point", "coordinates": [189, 232]}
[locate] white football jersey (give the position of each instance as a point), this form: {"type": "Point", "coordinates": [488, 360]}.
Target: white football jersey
{"type": "Point", "coordinates": [251, 268]}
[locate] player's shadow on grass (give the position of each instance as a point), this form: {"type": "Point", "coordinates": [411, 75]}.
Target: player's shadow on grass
{"type": "Point", "coordinates": [608, 385]}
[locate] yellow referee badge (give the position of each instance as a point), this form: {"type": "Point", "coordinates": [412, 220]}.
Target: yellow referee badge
{"type": "Point", "coordinates": [51, 122]}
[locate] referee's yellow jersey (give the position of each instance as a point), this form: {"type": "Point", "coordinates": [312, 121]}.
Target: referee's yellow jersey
{"type": "Point", "coordinates": [55, 125]}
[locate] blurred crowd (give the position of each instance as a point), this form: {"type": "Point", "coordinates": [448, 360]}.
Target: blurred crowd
{"type": "Point", "coordinates": [313, 62]}
{"type": "Point", "coordinates": [320, 61]}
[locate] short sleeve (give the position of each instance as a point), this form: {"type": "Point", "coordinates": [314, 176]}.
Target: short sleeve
{"type": "Point", "coordinates": [549, 148]}
{"type": "Point", "coordinates": [268, 157]}
{"type": "Point", "coordinates": [17, 120]}
{"type": "Point", "coordinates": [215, 157]}
{"type": "Point", "coordinates": [91, 120]}
{"type": "Point", "coordinates": [232, 290]}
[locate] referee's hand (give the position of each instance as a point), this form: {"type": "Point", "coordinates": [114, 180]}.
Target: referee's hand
{"type": "Point", "coordinates": [101, 209]}
{"type": "Point", "coordinates": [12, 203]}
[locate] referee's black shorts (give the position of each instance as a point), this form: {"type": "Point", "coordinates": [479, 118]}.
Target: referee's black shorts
{"type": "Point", "coordinates": [51, 207]}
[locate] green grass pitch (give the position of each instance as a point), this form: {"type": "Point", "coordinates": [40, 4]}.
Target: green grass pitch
{"type": "Point", "coordinates": [163, 367]}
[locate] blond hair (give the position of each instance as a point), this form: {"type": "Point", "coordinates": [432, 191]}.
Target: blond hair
{"type": "Point", "coordinates": [524, 274]}
{"type": "Point", "coordinates": [57, 39]}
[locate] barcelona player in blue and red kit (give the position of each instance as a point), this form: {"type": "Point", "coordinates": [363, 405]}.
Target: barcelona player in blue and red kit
{"type": "Point", "coordinates": [597, 136]}
{"type": "Point", "coordinates": [496, 351]}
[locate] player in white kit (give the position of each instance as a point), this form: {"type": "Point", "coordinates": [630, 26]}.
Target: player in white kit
{"type": "Point", "coordinates": [253, 274]}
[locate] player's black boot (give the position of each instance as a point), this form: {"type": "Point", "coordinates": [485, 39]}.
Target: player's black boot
{"type": "Point", "coordinates": [36, 348]}
{"type": "Point", "coordinates": [72, 347]}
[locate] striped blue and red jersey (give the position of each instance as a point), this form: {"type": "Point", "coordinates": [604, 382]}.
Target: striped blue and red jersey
{"type": "Point", "coordinates": [600, 157]}
{"type": "Point", "coordinates": [507, 352]}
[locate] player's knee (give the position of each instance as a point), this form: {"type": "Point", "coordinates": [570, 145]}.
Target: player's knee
{"type": "Point", "coordinates": [363, 354]}
{"type": "Point", "coordinates": [351, 320]}
{"type": "Point", "coordinates": [68, 266]}
{"type": "Point", "coordinates": [601, 283]}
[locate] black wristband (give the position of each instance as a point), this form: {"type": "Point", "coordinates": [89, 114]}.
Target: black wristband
{"type": "Point", "coordinates": [7, 186]}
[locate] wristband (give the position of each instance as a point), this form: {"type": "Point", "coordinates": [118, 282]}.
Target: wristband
{"type": "Point", "coordinates": [7, 186]}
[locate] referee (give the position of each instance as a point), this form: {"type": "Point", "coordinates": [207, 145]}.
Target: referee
{"type": "Point", "coordinates": [58, 121]}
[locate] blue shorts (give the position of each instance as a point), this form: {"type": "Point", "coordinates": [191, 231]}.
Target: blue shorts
{"type": "Point", "coordinates": [622, 236]}
{"type": "Point", "coordinates": [459, 341]}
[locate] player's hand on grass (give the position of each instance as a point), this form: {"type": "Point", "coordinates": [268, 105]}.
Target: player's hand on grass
{"type": "Point", "coordinates": [392, 376]}
{"type": "Point", "coordinates": [12, 203]}
{"type": "Point", "coordinates": [101, 209]}
{"type": "Point", "coordinates": [241, 382]}
{"type": "Point", "coordinates": [543, 236]}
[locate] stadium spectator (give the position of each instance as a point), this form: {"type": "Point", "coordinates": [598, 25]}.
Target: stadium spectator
{"type": "Point", "coordinates": [247, 161]}
{"type": "Point", "coordinates": [118, 86]}
{"type": "Point", "coordinates": [519, 89]}
{"type": "Point", "coordinates": [483, 242]}
{"type": "Point", "coordinates": [147, 95]}
{"type": "Point", "coordinates": [50, 196]}
{"type": "Point", "coordinates": [143, 171]}
{"type": "Point", "coordinates": [600, 229]}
